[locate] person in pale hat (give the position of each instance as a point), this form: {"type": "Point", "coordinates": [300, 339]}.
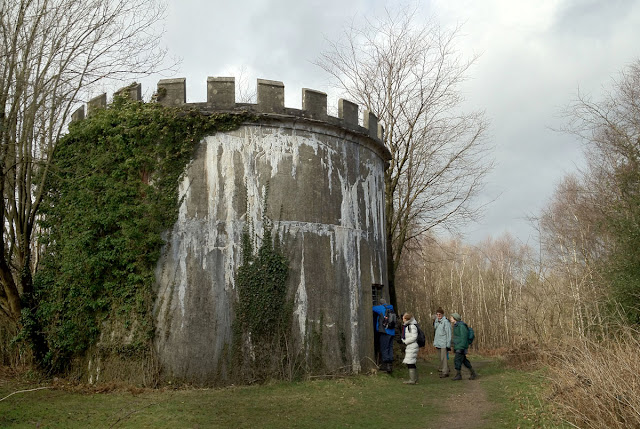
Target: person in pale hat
{"type": "Point", "coordinates": [442, 340]}
{"type": "Point", "coordinates": [460, 345]}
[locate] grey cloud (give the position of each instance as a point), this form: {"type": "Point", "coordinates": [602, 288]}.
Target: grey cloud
{"type": "Point", "coordinates": [591, 18]}
{"type": "Point", "coordinates": [522, 79]}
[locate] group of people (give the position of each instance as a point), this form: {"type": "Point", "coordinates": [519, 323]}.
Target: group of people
{"type": "Point", "coordinates": [449, 334]}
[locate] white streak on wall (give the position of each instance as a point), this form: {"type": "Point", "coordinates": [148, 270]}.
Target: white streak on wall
{"type": "Point", "coordinates": [355, 294]}
{"type": "Point", "coordinates": [348, 240]}
{"type": "Point", "coordinates": [213, 186]}
{"type": "Point", "coordinates": [332, 241]}
{"type": "Point", "coordinates": [183, 192]}
{"type": "Point", "coordinates": [373, 187]}
{"type": "Point", "coordinates": [301, 302]}
{"type": "Point", "coordinates": [271, 146]}
{"type": "Point", "coordinates": [182, 286]}
{"type": "Point", "coordinates": [327, 164]}
{"type": "Point", "coordinates": [240, 163]}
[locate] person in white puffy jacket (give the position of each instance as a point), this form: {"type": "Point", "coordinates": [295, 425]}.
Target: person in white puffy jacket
{"type": "Point", "coordinates": [409, 337]}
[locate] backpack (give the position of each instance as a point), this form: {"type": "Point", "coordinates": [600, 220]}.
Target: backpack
{"type": "Point", "coordinates": [422, 340]}
{"type": "Point", "coordinates": [389, 320]}
{"type": "Point", "coordinates": [470, 334]}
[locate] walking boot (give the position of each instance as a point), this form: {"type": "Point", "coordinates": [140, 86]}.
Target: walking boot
{"type": "Point", "coordinates": [443, 375]}
{"type": "Point", "coordinates": [457, 377]}
{"type": "Point", "coordinates": [413, 376]}
{"type": "Point", "coordinates": [389, 367]}
{"type": "Point", "coordinates": [473, 374]}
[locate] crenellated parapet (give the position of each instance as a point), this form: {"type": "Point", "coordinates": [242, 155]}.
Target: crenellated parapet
{"type": "Point", "coordinates": [270, 101]}
{"type": "Point", "coordinates": [133, 91]}
{"type": "Point", "coordinates": [270, 104]}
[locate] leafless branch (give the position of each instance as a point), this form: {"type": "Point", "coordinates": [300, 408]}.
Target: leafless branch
{"type": "Point", "coordinates": [409, 73]}
{"type": "Point", "coordinates": [24, 391]}
{"type": "Point", "coordinates": [53, 54]}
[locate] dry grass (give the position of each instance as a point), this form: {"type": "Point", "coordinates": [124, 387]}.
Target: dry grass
{"type": "Point", "coordinates": [596, 384]}
{"type": "Point", "coordinates": [12, 354]}
{"type": "Point", "coordinates": [526, 355]}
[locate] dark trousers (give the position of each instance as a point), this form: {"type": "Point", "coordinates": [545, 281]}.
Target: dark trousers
{"type": "Point", "coordinates": [386, 347]}
{"type": "Point", "coordinates": [461, 359]}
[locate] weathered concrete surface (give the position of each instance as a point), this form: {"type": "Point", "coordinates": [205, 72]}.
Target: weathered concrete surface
{"type": "Point", "coordinates": [327, 199]}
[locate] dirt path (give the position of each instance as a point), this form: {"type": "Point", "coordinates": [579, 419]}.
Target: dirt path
{"type": "Point", "coordinates": [467, 410]}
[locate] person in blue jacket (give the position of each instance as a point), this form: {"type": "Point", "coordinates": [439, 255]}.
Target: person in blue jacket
{"type": "Point", "coordinates": [385, 336]}
{"type": "Point", "coordinates": [442, 340]}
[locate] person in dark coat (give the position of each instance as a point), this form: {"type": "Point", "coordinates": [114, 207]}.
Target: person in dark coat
{"type": "Point", "coordinates": [385, 336]}
{"type": "Point", "coordinates": [460, 344]}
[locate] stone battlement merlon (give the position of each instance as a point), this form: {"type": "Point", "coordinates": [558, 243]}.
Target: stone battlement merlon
{"type": "Point", "coordinates": [270, 102]}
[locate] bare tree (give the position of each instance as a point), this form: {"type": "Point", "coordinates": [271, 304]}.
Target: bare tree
{"type": "Point", "coordinates": [490, 285]}
{"type": "Point", "coordinates": [573, 243]}
{"type": "Point", "coordinates": [408, 73]}
{"type": "Point", "coordinates": [52, 52]}
{"type": "Point", "coordinates": [610, 129]}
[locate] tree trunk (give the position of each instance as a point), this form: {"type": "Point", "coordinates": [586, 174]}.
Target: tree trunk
{"type": "Point", "coordinates": [10, 290]}
{"type": "Point", "coordinates": [391, 273]}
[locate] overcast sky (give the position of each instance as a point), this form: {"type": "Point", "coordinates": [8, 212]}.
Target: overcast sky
{"type": "Point", "coordinates": [535, 54]}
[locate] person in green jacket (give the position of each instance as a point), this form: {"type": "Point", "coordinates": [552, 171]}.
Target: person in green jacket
{"type": "Point", "coordinates": [460, 345]}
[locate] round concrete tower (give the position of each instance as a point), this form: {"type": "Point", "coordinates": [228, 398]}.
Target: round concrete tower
{"type": "Point", "coordinates": [326, 197]}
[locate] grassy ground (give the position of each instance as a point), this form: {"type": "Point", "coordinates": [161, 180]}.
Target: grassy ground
{"type": "Point", "coordinates": [520, 398]}
{"type": "Point", "coordinates": [355, 402]}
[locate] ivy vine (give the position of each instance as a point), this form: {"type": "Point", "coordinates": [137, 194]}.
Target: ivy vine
{"type": "Point", "coordinates": [112, 193]}
{"type": "Point", "coordinates": [263, 313]}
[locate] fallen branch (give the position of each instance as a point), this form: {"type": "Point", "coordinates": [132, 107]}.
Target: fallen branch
{"type": "Point", "coordinates": [23, 391]}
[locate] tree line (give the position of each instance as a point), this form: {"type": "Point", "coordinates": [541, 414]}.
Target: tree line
{"type": "Point", "coordinates": [584, 278]}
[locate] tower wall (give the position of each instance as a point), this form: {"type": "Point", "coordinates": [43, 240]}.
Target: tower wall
{"type": "Point", "coordinates": [325, 177]}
